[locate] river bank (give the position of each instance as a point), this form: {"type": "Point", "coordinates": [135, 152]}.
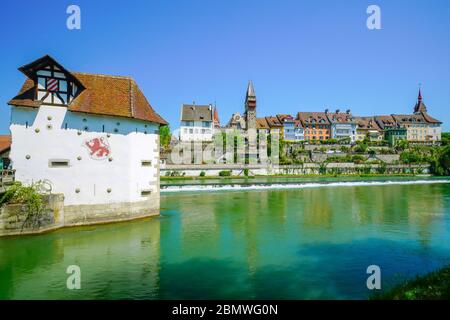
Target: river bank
{"type": "Point", "coordinates": [432, 286]}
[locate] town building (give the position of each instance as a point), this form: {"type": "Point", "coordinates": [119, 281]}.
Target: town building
{"type": "Point", "coordinates": [316, 125]}
{"type": "Point", "coordinates": [5, 147]}
{"type": "Point", "coordinates": [237, 121]}
{"type": "Point", "coordinates": [392, 131]}
{"type": "Point", "coordinates": [197, 123]}
{"type": "Point", "coordinates": [275, 126]}
{"type": "Point", "coordinates": [288, 123]}
{"type": "Point", "coordinates": [262, 127]}
{"type": "Point", "coordinates": [368, 128]}
{"type": "Point", "coordinates": [394, 135]}
{"type": "Point", "coordinates": [299, 131]}
{"type": "Point", "coordinates": [343, 125]}
{"type": "Point", "coordinates": [93, 138]}
{"type": "Point", "coordinates": [420, 126]}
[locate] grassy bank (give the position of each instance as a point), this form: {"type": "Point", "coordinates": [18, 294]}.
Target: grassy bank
{"type": "Point", "coordinates": [433, 286]}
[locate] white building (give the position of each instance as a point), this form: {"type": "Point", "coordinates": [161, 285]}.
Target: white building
{"type": "Point", "coordinates": [93, 137]}
{"type": "Point", "coordinates": [197, 123]}
{"type": "Point", "coordinates": [420, 126]}
{"type": "Point", "coordinates": [343, 125]}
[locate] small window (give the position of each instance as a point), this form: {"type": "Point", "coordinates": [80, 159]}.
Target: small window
{"type": "Point", "coordinates": [146, 163]}
{"type": "Point", "coordinates": [146, 193]}
{"type": "Point", "coordinates": [58, 163]}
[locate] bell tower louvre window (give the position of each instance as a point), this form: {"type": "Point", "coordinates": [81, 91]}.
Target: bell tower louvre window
{"type": "Point", "coordinates": [54, 84]}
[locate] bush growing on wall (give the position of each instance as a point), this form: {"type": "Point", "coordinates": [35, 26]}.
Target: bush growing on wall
{"type": "Point", "coordinates": [225, 173]}
{"type": "Point", "coordinates": [202, 174]}
{"type": "Point", "coordinates": [31, 197]}
{"type": "Point", "coordinates": [382, 168]}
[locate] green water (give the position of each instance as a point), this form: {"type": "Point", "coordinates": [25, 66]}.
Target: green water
{"type": "Point", "coordinates": [271, 244]}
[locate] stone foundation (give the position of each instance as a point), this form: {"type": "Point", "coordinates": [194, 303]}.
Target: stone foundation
{"type": "Point", "coordinates": [111, 212]}
{"type": "Point", "coordinates": [56, 215]}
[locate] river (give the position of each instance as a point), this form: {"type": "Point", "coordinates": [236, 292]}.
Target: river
{"type": "Point", "coordinates": [257, 240]}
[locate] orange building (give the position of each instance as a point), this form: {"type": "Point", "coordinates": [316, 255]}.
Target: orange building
{"type": "Point", "coordinates": [316, 125]}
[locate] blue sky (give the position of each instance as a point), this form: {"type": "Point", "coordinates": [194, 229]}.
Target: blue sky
{"type": "Point", "coordinates": [301, 55]}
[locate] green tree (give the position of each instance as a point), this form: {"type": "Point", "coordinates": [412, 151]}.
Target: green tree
{"type": "Point", "coordinates": [164, 136]}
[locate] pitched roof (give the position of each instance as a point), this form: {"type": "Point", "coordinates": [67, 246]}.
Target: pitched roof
{"type": "Point", "coordinates": [385, 121]}
{"type": "Point", "coordinates": [273, 122]}
{"type": "Point", "coordinates": [367, 123]}
{"type": "Point", "coordinates": [409, 118]}
{"type": "Point", "coordinates": [100, 94]}
{"type": "Point", "coordinates": [192, 112]}
{"type": "Point", "coordinates": [340, 117]}
{"type": "Point", "coordinates": [261, 123]}
{"type": "Point", "coordinates": [216, 115]}
{"type": "Point", "coordinates": [283, 117]}
{"type": "Point", "coordinates": [312, 118]}
{"type": "Point", "coordinates": [5, 142]}
{"type": "Point", "coordinates": [430, 119]}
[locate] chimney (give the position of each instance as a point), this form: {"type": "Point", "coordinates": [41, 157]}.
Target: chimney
{"type": "Point", "coordinates": [326, 111]}
{"type": "Point", "coordinates": [337, 110]}
{"type": "Point", "coordinates": [348, 111]}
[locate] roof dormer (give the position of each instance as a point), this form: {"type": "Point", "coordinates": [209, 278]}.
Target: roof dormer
{"type": "Point", "coordinates": [54, 85]}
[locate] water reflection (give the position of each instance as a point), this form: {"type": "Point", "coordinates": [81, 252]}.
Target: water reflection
{"type": "Point", "coordinates": [309, 243]}
{"type": "Point", "coordinates": [115, 260]}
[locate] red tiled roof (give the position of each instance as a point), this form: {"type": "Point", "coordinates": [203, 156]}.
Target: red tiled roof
{"type": "Point", "coordinates": [430, 119]}
{"type": "Point", "coordinates": [340, 117]}
{"type": "Point", "coordinates": [273, 122]}
{"type": "Point", "coordinates": [5, 143]}
{"type": "Point", "coordinates": [313, 117]}
{"type": "Point", "coordinates": [261, 123]}
{"type": "Point", "coordinates": [409, 118]}
{"type": "Point", "coordinates": [385, 121]}
{"type": "Point", "coordinates": [103, 95]}
{"type": "Point", "coordinates": [367, 123]}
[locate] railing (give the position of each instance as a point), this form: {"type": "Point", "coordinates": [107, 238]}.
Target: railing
{"type": "Point", "coordinates": [7, 177]}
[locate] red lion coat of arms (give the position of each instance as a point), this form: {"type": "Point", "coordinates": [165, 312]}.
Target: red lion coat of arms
{"type": "Point", "coordinates": [98, 148]}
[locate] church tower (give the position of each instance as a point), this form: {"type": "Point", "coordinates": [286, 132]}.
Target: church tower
{"type": "Point", "coordinates": [420, 106]}
{"type": "Point", "coordinates": [250, 107]}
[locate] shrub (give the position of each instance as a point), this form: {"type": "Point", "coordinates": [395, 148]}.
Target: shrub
{"type": "Point", "coordinates": [225, 173]}
{"type": "Point", "coordinates": [246, 172]}
{"type": "Point", "coordinates": [382, 168]}
{"type": "Point", "coordinates": [323, 168]}
{"type": "Point", "coordinates": [411, 157]}
{"type": "Point", "coordinates": [202, 174]}
{"type": "Point", "coordinates": [31, 197]}
{"type": "Point", "coordinates": [358, 159]}
{"type": "Point", "coordinates": [360, 148]}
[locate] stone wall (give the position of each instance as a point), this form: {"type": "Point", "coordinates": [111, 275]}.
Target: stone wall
{"type": "Point", "coordinates": [303, 169]}
{"type": "Point", "coordinates": [13, 217]}
{"type": "Point", "coordinates": [57, 215]}
{"type": "Point", "coordinates": [321, 157]}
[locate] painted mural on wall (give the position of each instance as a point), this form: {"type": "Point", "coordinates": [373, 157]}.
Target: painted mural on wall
{"type": "Point", "coordinates": [98, 148]}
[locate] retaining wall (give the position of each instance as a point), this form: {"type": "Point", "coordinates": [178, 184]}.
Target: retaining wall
{"type": "Point", "coordinates": [13, 217]}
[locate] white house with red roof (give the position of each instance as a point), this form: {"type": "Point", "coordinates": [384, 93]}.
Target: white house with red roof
{"type": "Point", "coordinates": [93, 138]}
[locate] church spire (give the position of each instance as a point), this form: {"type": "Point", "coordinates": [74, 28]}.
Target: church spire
{"type": "Point", "coordinates": [250, 90]}
{"type": "Point", "coordinates": [420, 106]}
{"type": "Point", "coordinates": [250, 107]}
